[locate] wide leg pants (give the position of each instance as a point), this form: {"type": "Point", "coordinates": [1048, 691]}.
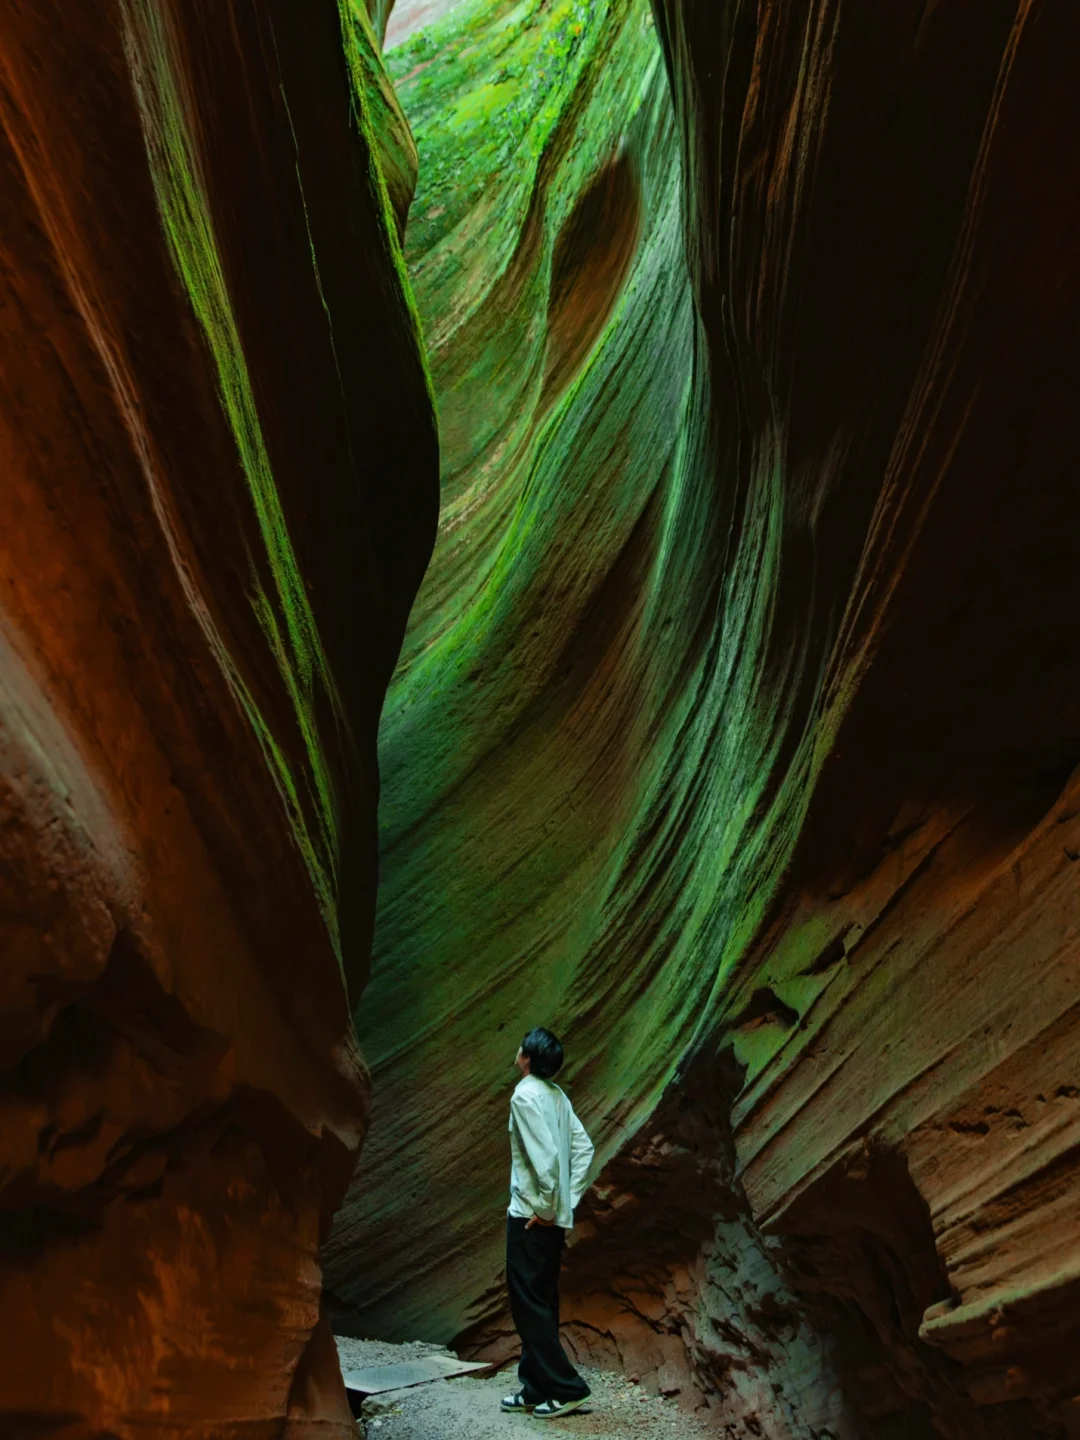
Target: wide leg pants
{"type": "Point", "coordinates": [533, 1257]}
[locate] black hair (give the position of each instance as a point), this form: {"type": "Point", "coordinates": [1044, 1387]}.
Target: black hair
{"type": "Point", "coordinates": [544, 1053]}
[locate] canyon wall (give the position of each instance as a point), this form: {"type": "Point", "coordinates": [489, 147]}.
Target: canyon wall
{"type": "Point", "coordinates": [886, 276]}
{"type": "Point", "coordinates": [517, 822]}
{"type": "Point", "coordinates": [735, 732]}
{"type": "Point", "coordinates": [220, 493]}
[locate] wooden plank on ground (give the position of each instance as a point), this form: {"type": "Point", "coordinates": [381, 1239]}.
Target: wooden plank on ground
{"type": "Point", "coordinates": [376, 1378]}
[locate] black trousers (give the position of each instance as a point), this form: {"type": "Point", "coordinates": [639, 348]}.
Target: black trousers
{"type": "Point", "coordinates": [532, 1277]}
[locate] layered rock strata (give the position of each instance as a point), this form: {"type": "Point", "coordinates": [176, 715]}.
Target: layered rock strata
{"type": "Point", "coordinates": [546, 251]}
{"type": "Point", "coordinates": [220, 491]}
{"type": "Point", "coordinates": [739, 712]}
{"type": "Point", "coordinates": [907, 1015]}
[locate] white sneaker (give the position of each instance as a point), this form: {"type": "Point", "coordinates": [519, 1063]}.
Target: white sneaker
{"type": "Point", "coordinates": [552, 1409]}
{"type": "Point", "coordinates": [515, 1403]}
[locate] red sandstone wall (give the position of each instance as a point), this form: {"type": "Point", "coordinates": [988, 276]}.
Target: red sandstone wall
{"type": "Point", "coordinates": [181, 1091]}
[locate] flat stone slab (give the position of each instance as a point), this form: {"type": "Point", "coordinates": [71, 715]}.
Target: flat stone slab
{"type": "Point", "coordinates": [377, 1378]}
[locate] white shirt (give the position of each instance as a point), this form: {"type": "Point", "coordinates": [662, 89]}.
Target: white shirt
{"type": "Point", "coordinates": [549, 1153]}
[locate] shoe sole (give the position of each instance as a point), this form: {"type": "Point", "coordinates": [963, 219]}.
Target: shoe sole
{"type": "Point", "coordinates": [517, 1409]}
{"type": "Point", "coordinates": [566, 1409]}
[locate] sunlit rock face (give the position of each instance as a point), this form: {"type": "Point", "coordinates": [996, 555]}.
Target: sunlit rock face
{"type": "Point", "coordinates": [526, 771]}
{"type": "Point", "coordinates": [737, 719]}
{"type": "Point", "coordinates": [220, 492]}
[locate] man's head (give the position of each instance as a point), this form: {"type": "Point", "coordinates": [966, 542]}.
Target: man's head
{"type": "Point", "coordinates": [541, 1054]}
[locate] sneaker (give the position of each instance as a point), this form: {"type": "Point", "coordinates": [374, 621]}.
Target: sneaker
{"type": "Point", "coordinates": [552, 1409]}
{"type": "Point", "coordinates": [516, 1403]}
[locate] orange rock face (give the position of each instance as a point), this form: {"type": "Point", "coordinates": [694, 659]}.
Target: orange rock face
{"type": "Point", "coordinates": [219, 479]}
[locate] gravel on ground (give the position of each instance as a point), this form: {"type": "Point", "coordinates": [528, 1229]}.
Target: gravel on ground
{"type": "Point", "coordinates": [467, 1408]}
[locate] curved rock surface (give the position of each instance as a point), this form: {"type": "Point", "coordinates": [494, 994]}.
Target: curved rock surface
{"type": "Point", "coordinates": [220, 491]}
{"type": "Point", "coordinates": [907, 1016]}
{"type": "Point", "coordinates": [546, 252]}
{"type": "Point", "coordinates": [737, 721]}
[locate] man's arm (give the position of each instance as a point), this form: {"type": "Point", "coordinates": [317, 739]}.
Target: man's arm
{"type": "Point", "coordinates": [538, 1144]}
{"type": "Point", "coordinates": [581, 1153]}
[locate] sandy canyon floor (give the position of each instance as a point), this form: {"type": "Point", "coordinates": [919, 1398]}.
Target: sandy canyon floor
{"type": "Point", "coordinates": [467, 1408]}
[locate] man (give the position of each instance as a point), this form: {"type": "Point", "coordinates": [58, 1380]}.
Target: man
{"type": "Point", "coordinates": [550, 1154]}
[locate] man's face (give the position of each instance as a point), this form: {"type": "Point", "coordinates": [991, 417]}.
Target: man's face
{"type": "Point", "coordinates": [522, 1062]}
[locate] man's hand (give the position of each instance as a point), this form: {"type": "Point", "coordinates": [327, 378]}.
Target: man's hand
{"type": "Point", "coordinates": [535, 1220]}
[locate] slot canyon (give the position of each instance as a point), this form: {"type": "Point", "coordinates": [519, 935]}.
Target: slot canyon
{"type": "Point", "coordinates": [540, 512]}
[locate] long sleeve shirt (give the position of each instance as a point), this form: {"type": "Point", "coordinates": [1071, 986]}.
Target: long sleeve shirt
{"type": "Point", "coordinates": [550, 1153]}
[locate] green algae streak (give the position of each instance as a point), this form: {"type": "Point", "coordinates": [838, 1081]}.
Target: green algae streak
{"type": "Point", "coordinates": [282, 606]}
{"type": "Point", "coordinates": [589, 789]}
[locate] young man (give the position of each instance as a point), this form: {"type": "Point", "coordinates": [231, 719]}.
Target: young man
{"type": "Point", "coordinates": [550, 1154]}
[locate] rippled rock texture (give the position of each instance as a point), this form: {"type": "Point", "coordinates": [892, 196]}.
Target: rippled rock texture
{"type": "Point", "coordinates": [220, 492]}
{"type": "Point", "coordinates": [546, 252]}
{"type": "Point", "coordinates": [738, 717]}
